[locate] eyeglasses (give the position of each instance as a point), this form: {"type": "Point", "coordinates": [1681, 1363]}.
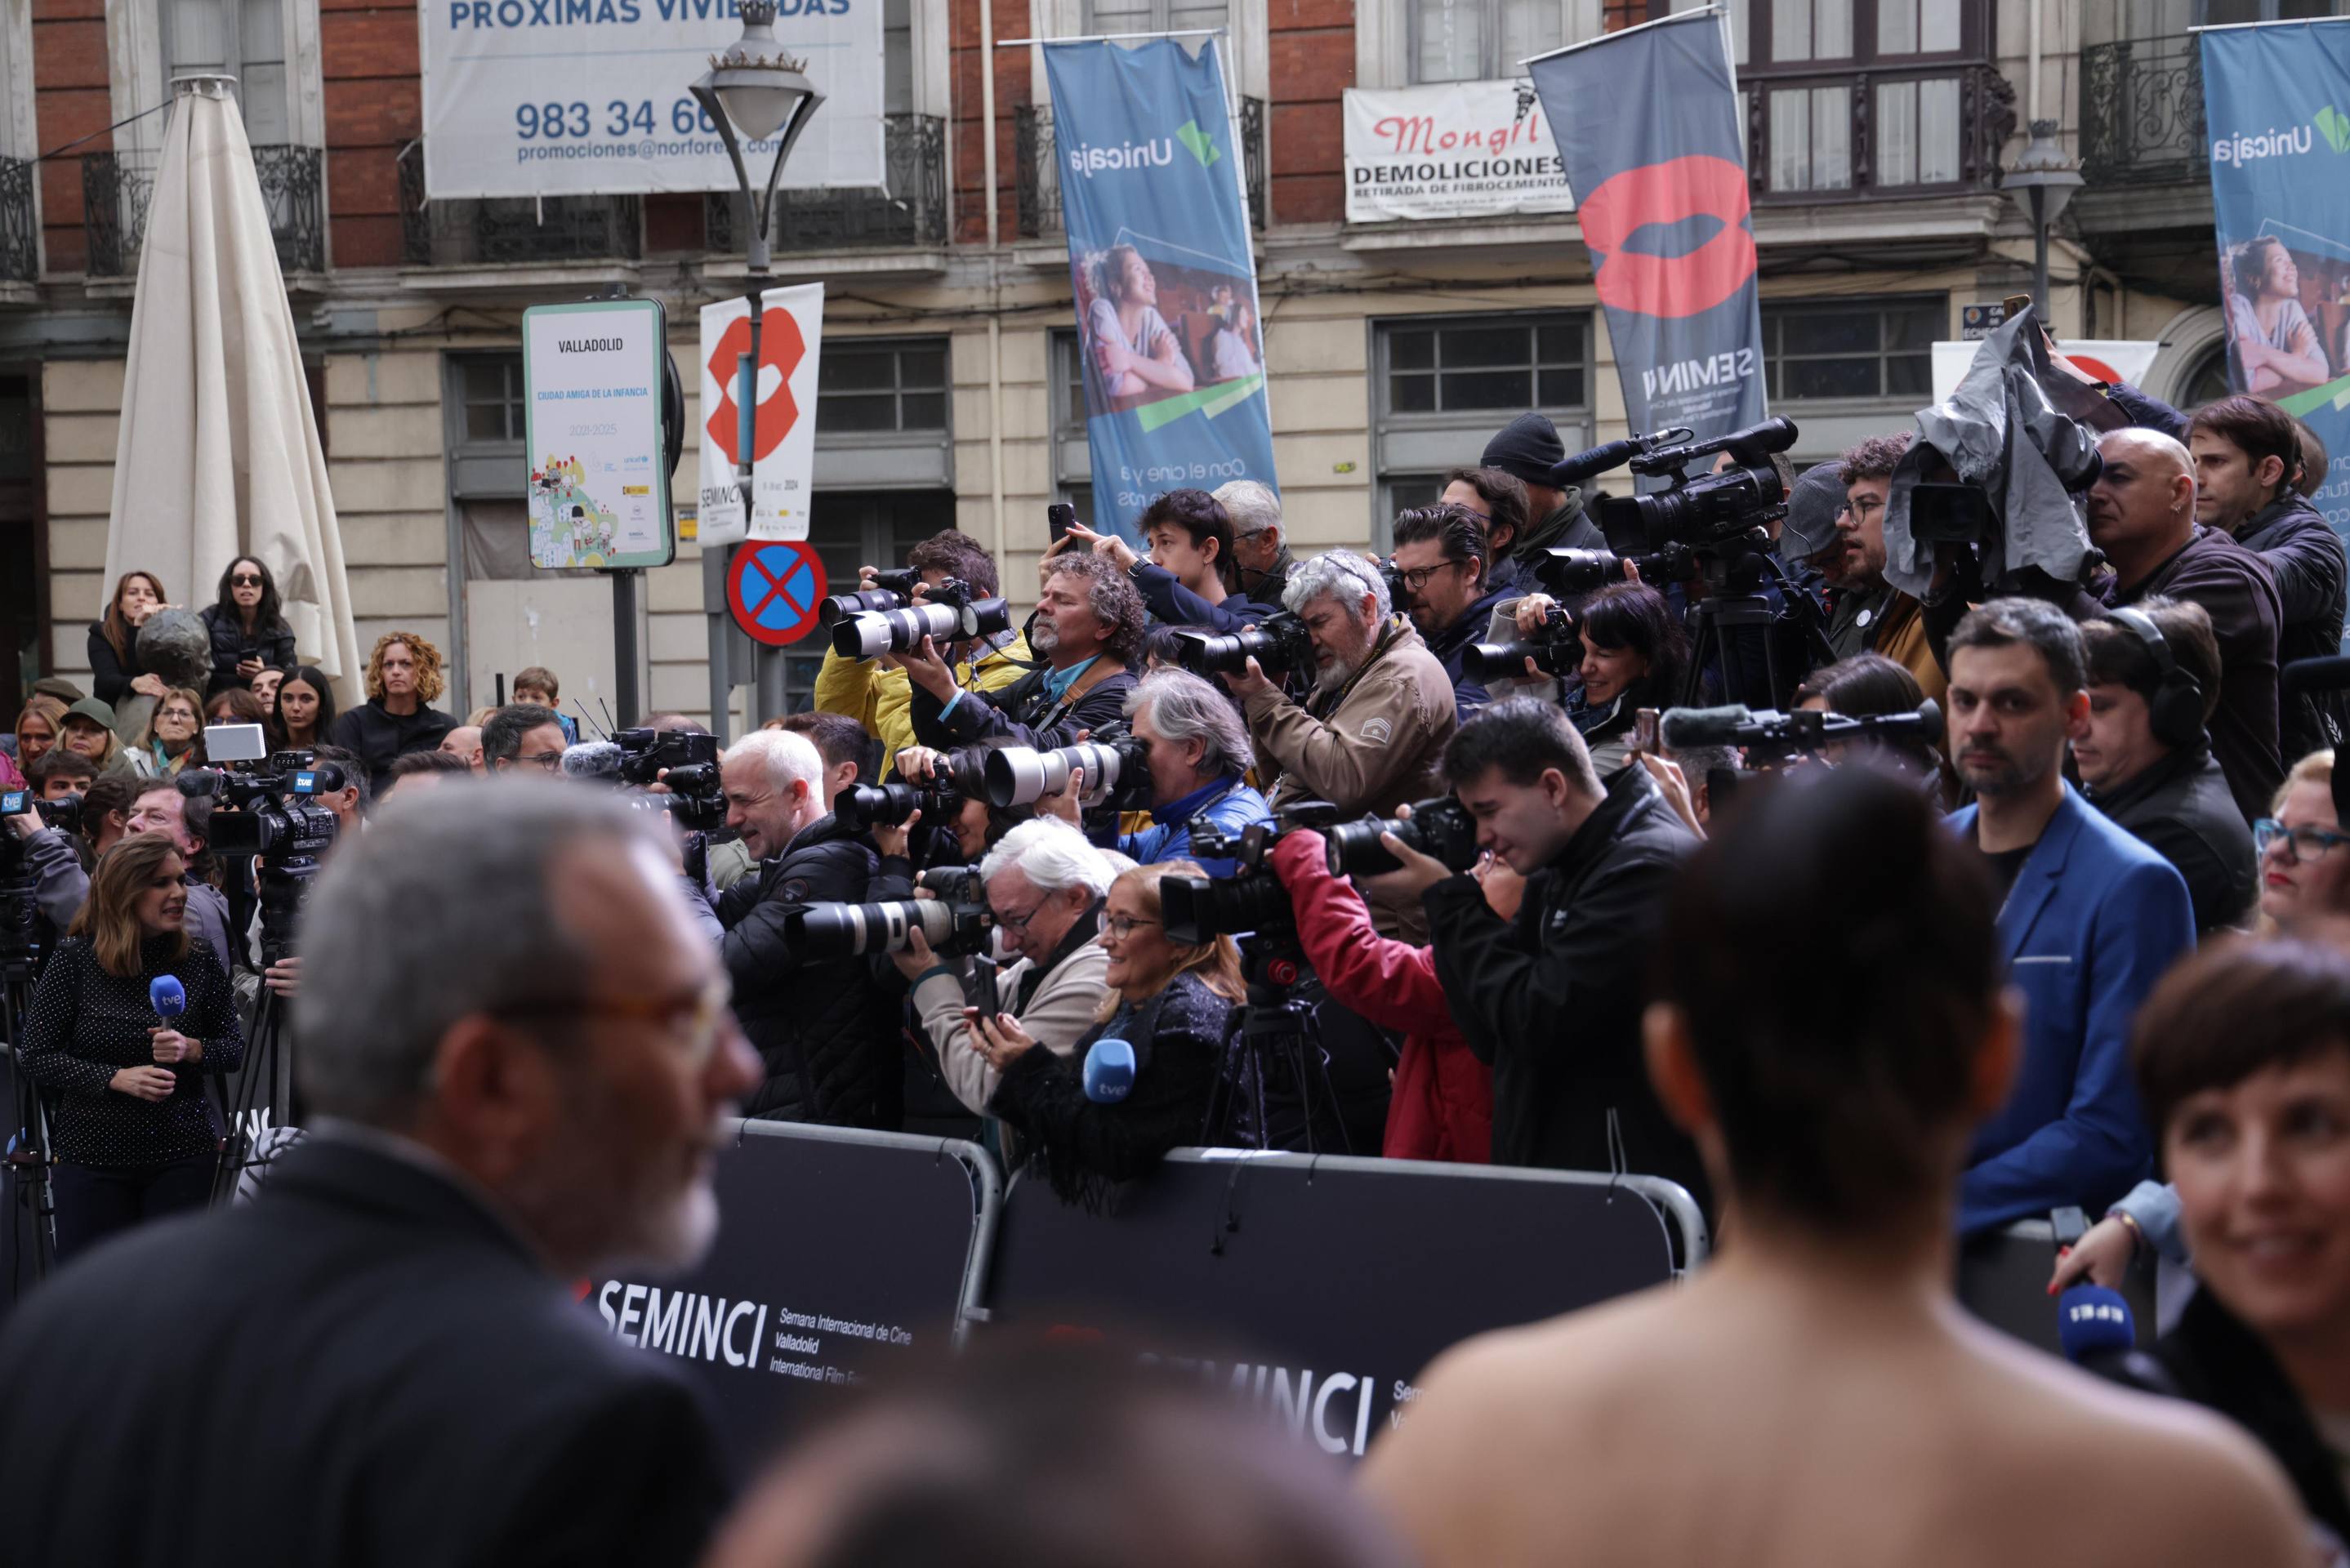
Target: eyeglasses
{"type": "Point", "coordinates": [244, 580]}
{"type": "Point", "coordinates": [550, 761]}
{"type": "Point", "coordinates": [1018, 924]}
{"type": "Point", "coordinates": [694, 1020]}
{"type": "Point", "coordinates": [1417, 578]}
{"type": "Point", "coordinates": [1122, 926]}
{"type": "Point", "coordinates": [2301, 842]}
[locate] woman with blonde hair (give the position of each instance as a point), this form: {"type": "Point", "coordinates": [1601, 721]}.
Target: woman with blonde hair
{"type": "Point", "coordinates": [134, 1136]}
{"type": "Point", "coordinates": [1171, 1003]}
{"type": "Point", "coordinates": [2305, 853]}
{"type": "Point", "coordinates": [403, 680]}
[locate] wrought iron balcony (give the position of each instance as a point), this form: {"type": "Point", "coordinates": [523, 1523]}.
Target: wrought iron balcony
{"type": "Point", "coordinates": [1855, 135]}
{"type": "Point", "coordinates": [20, 235]}
{"type": "Point", "coordinates": [496, 231]}
{"type": "Point", "coordinates": [2142, 113]}
{"type": "Point", "coordinates": [1037, 187]}
{"type": "Point", "coordinates": [909, 209]}
{"type": "Point", "coordinates": [115, 188]}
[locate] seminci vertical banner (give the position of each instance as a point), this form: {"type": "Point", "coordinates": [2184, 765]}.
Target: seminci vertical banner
{"type": "Point", "coordinates": [2277, 99]}
{"type": "Point", "coordinates": [1648, 124]}
{"type": "Point", "coordinates": [1164, 278]}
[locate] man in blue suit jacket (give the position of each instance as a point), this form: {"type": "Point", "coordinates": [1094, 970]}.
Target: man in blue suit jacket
{"type": "Point", "coordinates": [2090, 920]}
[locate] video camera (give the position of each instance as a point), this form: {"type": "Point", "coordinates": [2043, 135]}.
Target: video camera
{"type": "Point", "coordinates": [63, 814]}
{"type": "Point", "coordinates": [683, 761]}
{"type": "Point", "coordinates": [1702, 513]}
{"type": "Point", "coordinates": [270, 810]}
{"type": "Point", "coordinates": [956, 921]}
{"type": "Point", "coordinates": [1558, 650]}
{"type": "Point", "coordinates": [1783, 735]}
{"type": "Point", "coordinates": [891, 590]}
{"type": "Point", "coordinates": [1252, 901]}
{"type": "Point", "coordinates": [1116, 768]}
{"type": "Point", "coordinates": [949, 612]}
{"type": "Point", "coordinates": [1441, 827]}
{"type": "Point", "coordinates": [1279, 644]}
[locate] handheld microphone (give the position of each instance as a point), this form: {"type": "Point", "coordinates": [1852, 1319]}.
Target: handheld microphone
{"type": "Point", "coordinates": [1584, 465]}
{"type": "Point", "coordinates": [1109, 1072]}
{"type": "Point", "coordinates": [167, 996]}
{"type": "Point", "coordinates": [2095, 1324]}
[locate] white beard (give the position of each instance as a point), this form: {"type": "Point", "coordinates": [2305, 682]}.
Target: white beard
{"type": "Point", "coordinates": [1043, 636]}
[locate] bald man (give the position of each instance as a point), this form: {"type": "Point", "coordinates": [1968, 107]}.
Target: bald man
{"type": "Point", "coordinates": [464, 744]}
{"type": "Point", "coordinates": [2142, 515]}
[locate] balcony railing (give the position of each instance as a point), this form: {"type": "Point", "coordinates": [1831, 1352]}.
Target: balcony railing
{"type": "Point", "coordinates": [911, 209]}
{"type": "Point", "coordinates": [1037, 182]}
{"type": "Point", "coordinates": [115, 188]}
{"type": "Point", "coordinates": [2142, 112]}
{"type": "Point", "coordinates": [1850, 135]}
{"type": "Point", "coordinates": [496, 231]}
{"type": "Point", "coordinates": [20, 235]}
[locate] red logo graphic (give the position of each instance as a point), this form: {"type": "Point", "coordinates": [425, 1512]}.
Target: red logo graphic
{"type": "Point", "coordinates": [780, 346]}
{"type": "Point", "coordinates": [1669, 286]}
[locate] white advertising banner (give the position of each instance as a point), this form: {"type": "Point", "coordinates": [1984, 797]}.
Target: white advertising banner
{"type": "Point", "coordinates": [598, 483]}
{"type": "Point", "coordinates": [553, 98]}
{"type": "Point", "coordinates": [2107, 359]}
{"type": "Point", "coordinates": [782, 448]}
{"type": "Point", "coordinates": [1453, 150]}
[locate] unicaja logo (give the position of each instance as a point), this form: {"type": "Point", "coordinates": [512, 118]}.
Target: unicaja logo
{"type": "Point", "coordinates": [1088, 161]}
{"type": "Point", "coordinates": [2271, 143]}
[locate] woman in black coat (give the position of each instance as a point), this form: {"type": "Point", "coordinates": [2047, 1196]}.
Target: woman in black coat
{"type": "Point", "coordinates": [249, 632]}
{"type": "Point", "coordinates": [1171, 1003]}
{"type": "Point", "coordinates": [115, 672]}
{"type": "Point", "coordinates": [134, 1136]}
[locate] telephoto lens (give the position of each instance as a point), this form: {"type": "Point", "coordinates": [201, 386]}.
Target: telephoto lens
{"type": "Point", "coordinates": [1017, 775]}
{"type": "Point", "coordinates": [866, 601]}
{"type": "Point", "coordinates": [1441, 827]}
{"type": "Point", "coordinates": [855, 931]}
{"type": "Point", "coordinates": [871, 634]}
{"type": "Point", "coordinates": [1278, 643]}
{"type": "Point", "coordinates": [1557, 650]}
{"type": "Point", "coordinates": [860, 806]}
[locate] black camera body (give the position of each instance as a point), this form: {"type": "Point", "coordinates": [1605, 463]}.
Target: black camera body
{"type": "Point", "coordinates": [63, 814]}
{"type": "Point", "coordinates": [1442, 828]}
{"type": "Point", "coordinates": [270, 811]}
{"type": "Point", "coordinates": [685, 762]}
{"type": "Point", "coordinates": [1558, 650]}
{"type": "Point", "coordinates": [1251, 901]}
{"type": "Point", "coordinates": [1567, 573]}
{"type": "Point", "coordinates": [861, 807]}
{"type": "Point", "coordinates": [1708, 511]}
{"type": "Point", "coordinates": [1279, 643]}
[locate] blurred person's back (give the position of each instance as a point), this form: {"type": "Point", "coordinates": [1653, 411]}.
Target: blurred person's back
{"type": "Point", "coordinates": [1815, 1395]}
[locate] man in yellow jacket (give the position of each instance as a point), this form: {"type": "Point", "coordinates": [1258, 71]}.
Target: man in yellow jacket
{"type": "Point", "coordinates": [877, 694]}
{"type": "Point", "coordinates": [1871, 615]}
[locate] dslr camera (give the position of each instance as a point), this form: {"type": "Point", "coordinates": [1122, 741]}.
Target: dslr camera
{"type": "Point", "coordinates": [891, 590]}
{"type": "Point", "coordinates": [1278, 643]}
{"type": "Point", "coordinates": [1116, 768]}
{"type": "Point", "coordinates": [1566, 572]}
{"type": "Point", "coordinates": [947, 613]}
{"type": "Point", "coordinates": [1251, 901]}
{"type": "Point", "coordinates": [1442, 828]}
{"type": "Point", "coordinates": [685, 762]}
{"type": "Point", "coordinates": [956, 922]}
{"type": "Point", "coordinates": [1556, 650]}
{"type": "Point", "coordinates": [960, 777]}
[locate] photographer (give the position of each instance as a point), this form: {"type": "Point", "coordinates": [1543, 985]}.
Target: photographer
{"type": "Point", "coordinates": [1189, 577]}
{"type": "Point", "coordinates": [1371, 730]}
{"type": "Point", "coordinates": [1872, 616]}
{"type": "Point", "coordinates": [826, 1032]}
{"type": "Point", "coordinates": [1441, 557]}
{"type": "Point", "coordinates": [2146, 762]}
{"type": "Point", "coordinates": [60, 880]}
{"type": "Point", "coordinates": [1045, 887]}
{"type": "Point", "coordinates": [1552, 1000]}
{"type": "Point", "coordinates": [876, 692]}
{"type": "Point", "coordinates": [1200, 757]}
{"type": "Point", "coordinates": [523, 735]}
{"type": "Point", "coordinates": [842, 744]}
{"type": "Point", "coordinates": [1088, 630]}
{"type": "Point", "coordinates": [1635, 655]}
{"type": "Point", "coordinates": [1260, 556]}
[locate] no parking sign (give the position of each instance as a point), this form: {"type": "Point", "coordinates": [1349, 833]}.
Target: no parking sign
{"type": "Point", "coordinates": [772, 590]}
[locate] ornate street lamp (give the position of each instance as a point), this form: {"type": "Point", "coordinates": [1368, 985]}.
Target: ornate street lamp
{"type": "Point", "coordinates": [2042, 182]}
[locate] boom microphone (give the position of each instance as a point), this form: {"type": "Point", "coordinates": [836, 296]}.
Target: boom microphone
{"type": "Point", "coordinates": [1805, 730]}
{"type": "Point", "coordinates": [1586, 465]}
{"type": "Point", "coordinates": [1681, 728]}
{"type": "Point", "coordinates": [596, 759]}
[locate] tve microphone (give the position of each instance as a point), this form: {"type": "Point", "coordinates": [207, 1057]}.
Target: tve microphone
{"type": "Point", "coordinates": [2095, 1323]}
{"type": "Point", "coordinates": [167, 996]}
{"type": "Point", "coordinates": [1681, 728]}
{"type": "Point", "coordinates": [1109, 1072]}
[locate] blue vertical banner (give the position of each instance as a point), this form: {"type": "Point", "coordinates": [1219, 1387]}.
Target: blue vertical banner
{"type": "Point", "coordinates": [1165, 281]}
{"type": "Point", "coordinates": [2277, 101]}
{"type": "Point", "coordinates": [1648, 125]}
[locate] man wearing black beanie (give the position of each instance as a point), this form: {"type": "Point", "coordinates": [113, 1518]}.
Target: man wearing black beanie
{"type": "Point", "coordinates": [1528, 448]}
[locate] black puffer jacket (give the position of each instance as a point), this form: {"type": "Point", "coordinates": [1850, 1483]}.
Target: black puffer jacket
{"type": "Point", "coordinates": [273, 646]}
{"type": "Point", "coordinates": [836, 1011]}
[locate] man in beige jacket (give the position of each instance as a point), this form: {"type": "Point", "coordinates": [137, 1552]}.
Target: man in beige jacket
{"type": "Point", "coordinates": [1046, 885]}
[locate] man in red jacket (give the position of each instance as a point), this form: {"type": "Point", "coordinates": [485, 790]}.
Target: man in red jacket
{"type": "Point", "coordinates": [1443, 1107]}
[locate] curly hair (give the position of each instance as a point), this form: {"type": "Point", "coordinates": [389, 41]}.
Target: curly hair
{"type": "Point", "coordinates": [428, 666]}
{"type": "Point", "coordinates": [1110, 595]}
{"type": "Point", "coordinates": [1873, 458]}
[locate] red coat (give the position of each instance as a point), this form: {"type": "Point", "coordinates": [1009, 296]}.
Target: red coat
{"type": "Point", "coordinates": [1443, 1104]}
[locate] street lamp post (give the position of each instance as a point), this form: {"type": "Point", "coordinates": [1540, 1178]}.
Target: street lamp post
{"type": "Point", "coordinates": [2042, 181]}
{"type": "Point", "coordinates": [755, 88]}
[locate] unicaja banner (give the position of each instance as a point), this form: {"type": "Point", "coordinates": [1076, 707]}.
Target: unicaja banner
{"type": "Point", "coordinates": [1649, 123]}
{"type": "Point", "coordinates": [2277, 99]}
{"type": "Point", "coordinates": [1163, 276]}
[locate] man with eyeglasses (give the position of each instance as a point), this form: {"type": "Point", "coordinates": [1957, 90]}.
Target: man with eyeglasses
{"type": "Point", "coordinates": [1871, 615]}
{"type": "Point", "coordinates": [523, 735]}
{"type": "Point", "coordinates": [1441, 558]}
{"type": "Point", "coordinates": [1045, 887]}
{"type": "Point", "coordinates": [398, 1310]}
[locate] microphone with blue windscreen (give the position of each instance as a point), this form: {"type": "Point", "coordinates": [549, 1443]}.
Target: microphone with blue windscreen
{"type": "Point", "coordinates": [1109, 1072]}
{"type": "Point", "coordinates": [2093, 1324]}
{"type": "Point", "coordinates": [167, 996]}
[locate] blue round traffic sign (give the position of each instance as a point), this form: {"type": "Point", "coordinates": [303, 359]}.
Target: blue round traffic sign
{"type": "Point", "coordinates": [774, 587]}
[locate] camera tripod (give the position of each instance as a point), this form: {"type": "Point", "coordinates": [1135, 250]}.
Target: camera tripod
{"type": "Point", "coordinates": [1277, 1046]}
{"type": "Point", "coordinates": [31, 1162]}
{"type": "Point", "coordinates": [267, 1052]}
{"type": "Point", "coordinates": [1737, 605]}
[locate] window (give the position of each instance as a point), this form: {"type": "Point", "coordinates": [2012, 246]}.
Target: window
{"type": "Point", "coordinates": [1811, 142]}
{"type": "Point", "coordinates": [1484, 40]}
{"type": "Point", "coordinates": [896, 56]}
{"type": "Point", "coordinates": [865, 386]}
{"type": "Point", "coordinates": [241, 38]}
{"type": "Point", "coordinates": [2208, 381]}
{"type": "Point", "coordinates": [1811, 30]}
{"type": "Point", "coordinates": [1505, 365]}
{"type": "Point", "coordinates": [1154, 16]}
{"type": "Point", "coordinates": [1072, 456]}
{"type": "Point", "coordinates": [1842, 351]}
{"type": "Point", "coordinates": [1917, 28]}
{"type": "Point", "coordinates": [491, 387]}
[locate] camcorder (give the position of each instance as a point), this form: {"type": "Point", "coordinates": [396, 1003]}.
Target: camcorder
{"type": "Point", "coordinates": [949, 612]}
{"type": "Point", "coordinates": [270, 809]}
{"type": "Point", "coordinates": [1556, 650]}
{"type": "Point", "coordinates": [954, 925]}
{"type": "Point", "coordinates": [1116, 768]}
{"type": "Point", "coordinates": [1279, 643]}
{"type": "Point", "coordinates": [685, 762]}
{"type": "Point", "coordinates": [1703, 514]}
{"type": "Point", "coordinates": [1196, 911]}
{"type": "Point", "coordinates": [1441, 827]}
{"type": "Point", "coordinates": [62, 815]}
{"type": "Point", "coordinates": [960, 777]}
{"type": "Point", "coordinates": [891, 590]}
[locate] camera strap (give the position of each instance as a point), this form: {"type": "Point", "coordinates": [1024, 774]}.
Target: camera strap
{"type": "Point", "coordinates": [1102, 668]}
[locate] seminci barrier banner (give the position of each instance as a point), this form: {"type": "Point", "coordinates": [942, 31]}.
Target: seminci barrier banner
{"type": "Point", "coordinates": [1453, 150]}
{"type": "Point", "coordinates": [2277, 99]}
{"type": "Point", "coordinates": [552, 97]}
{"type": "Point", "coordinates": [1164, 278]}
{"type": "Point", "coordinates": [1648, 124]}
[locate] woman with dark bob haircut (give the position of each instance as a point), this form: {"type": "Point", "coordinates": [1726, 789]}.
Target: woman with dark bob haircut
{"type": "Point", "coordinates": [1866, 685]}
{"type": "Point", "coordinates": [1634, 652]}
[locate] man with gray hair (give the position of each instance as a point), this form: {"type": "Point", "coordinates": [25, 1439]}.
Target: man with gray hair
{"type": "Point", "coordinates": [520, 1058]}
{"type": "Point", "coordinates": [1259, 549]}
{"type": "Point", "coordinates": [1045, 886]}
{"type": "Point", "coordinates": [825, 1030]}
{"type": "Point", "coordinates": [1199, 756]}
{"type": "Point", "coordinates": [1372, 730]}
